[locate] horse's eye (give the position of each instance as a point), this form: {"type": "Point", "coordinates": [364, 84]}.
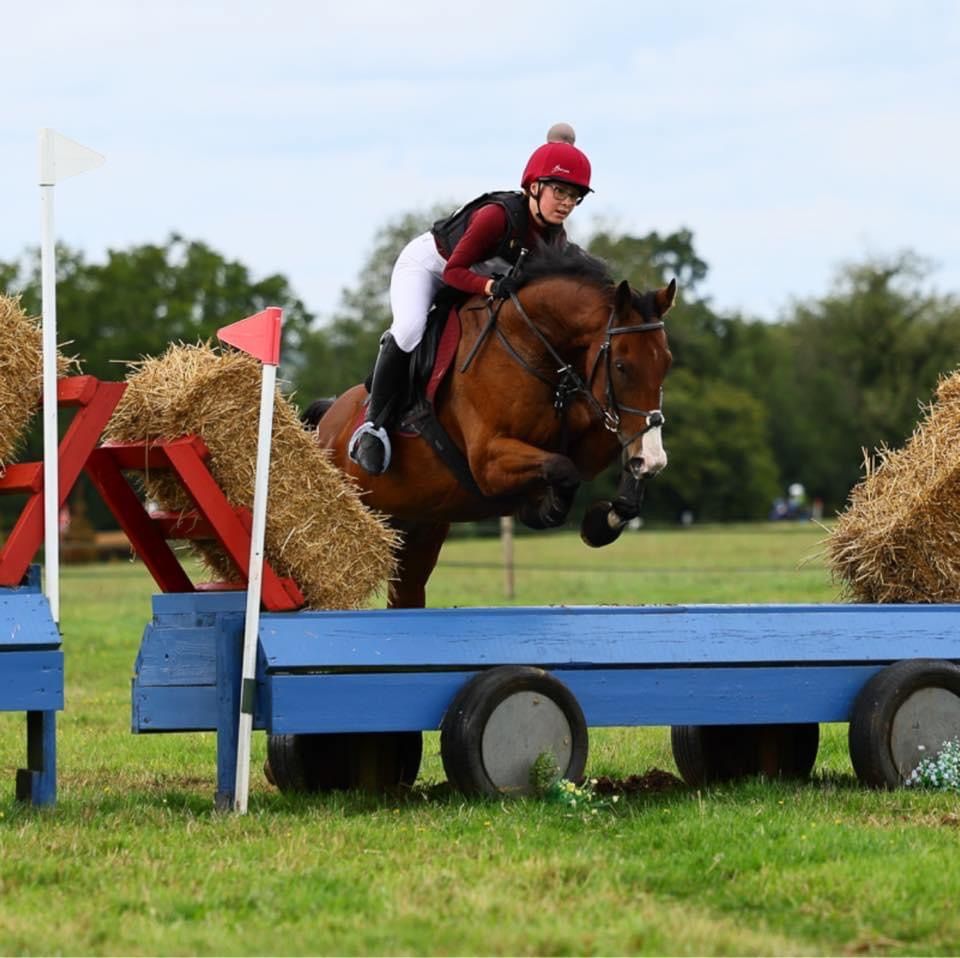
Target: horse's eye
{"type": "Point", "coordinates": [620, 366]}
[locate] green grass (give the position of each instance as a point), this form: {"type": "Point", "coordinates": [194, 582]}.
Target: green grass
{"type": "Point", "coordinates": [133, 860]}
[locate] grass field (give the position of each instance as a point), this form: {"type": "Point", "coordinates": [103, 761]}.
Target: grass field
{"type": "Point", "coordinates": [133, 860]}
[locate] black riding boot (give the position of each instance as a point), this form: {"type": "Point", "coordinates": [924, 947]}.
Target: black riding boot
{"type": "Point", "coordinates": [369, 446]}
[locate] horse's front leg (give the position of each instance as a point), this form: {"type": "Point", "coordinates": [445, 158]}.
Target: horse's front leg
{"type": "Point", "coordinates": [604, 520]}
{"type": "Point", "coordinates": [551, 508]}
{"type": "Point", "coordinates": [510, 467]}
{"type": "Point", "coordinates": [416, 559]}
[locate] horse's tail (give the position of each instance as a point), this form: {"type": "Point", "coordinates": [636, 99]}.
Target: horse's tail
{"type": "Point", "coordinates": [312, 415]}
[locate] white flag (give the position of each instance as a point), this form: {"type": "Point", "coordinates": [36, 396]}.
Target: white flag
{"type": "Point", "coordinates": [61, 157]}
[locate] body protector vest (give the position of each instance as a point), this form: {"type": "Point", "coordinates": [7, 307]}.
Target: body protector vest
{"type": "Point", "coordinates": [449, 231]}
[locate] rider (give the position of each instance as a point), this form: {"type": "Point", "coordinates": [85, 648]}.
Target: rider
{"type": "Point", "coordinates": [471, 250]}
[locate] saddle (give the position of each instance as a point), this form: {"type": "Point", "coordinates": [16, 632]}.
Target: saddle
{"type": "Point", "coordinates": [413, 414]}
{"type": "Point", "coordinates": [432, 359]}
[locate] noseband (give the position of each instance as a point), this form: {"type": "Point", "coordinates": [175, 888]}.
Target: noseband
{"type": "Point", "coordinates": [571, 384]}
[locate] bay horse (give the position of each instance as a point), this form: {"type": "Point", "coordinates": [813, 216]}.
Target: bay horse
{"type": "Point", "coordinates": [548, 387]}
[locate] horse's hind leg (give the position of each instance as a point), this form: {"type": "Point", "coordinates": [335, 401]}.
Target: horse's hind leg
{"type": "Point", "coordinates": [416, 559]}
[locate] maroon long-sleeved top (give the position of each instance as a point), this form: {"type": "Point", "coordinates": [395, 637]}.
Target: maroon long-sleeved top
{"type": "Point", "coordinates": [480, 242]}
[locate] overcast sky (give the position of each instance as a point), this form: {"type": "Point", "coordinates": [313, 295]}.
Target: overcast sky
{"type": "Point", "coordinates": [789, 137]}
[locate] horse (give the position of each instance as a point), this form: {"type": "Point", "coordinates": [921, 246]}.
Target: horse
{"type": "Point", "coordinates": [548, 387]}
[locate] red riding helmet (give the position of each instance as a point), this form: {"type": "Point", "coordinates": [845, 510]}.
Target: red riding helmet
{"type": "Point", "coordinates": [558, 161]}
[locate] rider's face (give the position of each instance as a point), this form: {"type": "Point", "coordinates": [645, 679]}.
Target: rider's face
{"type": "Point", "coordinates": [557, 201]}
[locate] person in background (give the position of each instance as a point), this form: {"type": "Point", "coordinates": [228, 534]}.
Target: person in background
{"type": "Point", "coordinates": [471, 250]}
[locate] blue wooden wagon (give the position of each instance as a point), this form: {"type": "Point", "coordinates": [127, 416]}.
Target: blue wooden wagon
{"type": "Point", "coordinates": [345, 696]}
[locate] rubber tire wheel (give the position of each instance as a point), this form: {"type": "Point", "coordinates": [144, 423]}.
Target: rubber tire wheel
{"type": "Point", "coordinates": [466, 719]}
{"type": "Point", "coordinates": [366, 761]}
{"type": "Point", "coordinates": [872, 729]}
{"type": "Point", "coordinates": [708, 754]}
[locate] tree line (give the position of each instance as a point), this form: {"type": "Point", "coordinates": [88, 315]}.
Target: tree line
{"type": "Point", "coordinates": [752, 405]}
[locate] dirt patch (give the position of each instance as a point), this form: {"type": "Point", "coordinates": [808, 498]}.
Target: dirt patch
{"type": "Point", "coordinates": [652, 781]}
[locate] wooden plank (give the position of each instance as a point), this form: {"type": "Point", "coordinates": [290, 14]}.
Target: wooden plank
{"type": "Point", "coordinates": [23, 542]}
{"type": "Point", "coordinates": [31, 681]}
{"type": "Point", "coordinates": [98, 400]}
{"type": "Point", "coordinates": [25, 621]}
{"type": "Point", "coordinates": [78, 390]}
{"type": "Point", "coordinates": [390, 702]}
{"type": "Point", "coordinates": [197, 606]}
{"type": "Point", "coordinates": [387, 702]}
{"type": "Point", "coordinates": [646, 635]}
{"type": "Point", "coordinates": [146, 539]}
{"type": "Point", "coordinates": [140, 456]}
{"type": "Point", "coordinates": [191, 708]}
{"type": "Point", "coordinates": [215, 517]}
{"type": "Point", "coordinates": [22, 478]}
{"type": "Point", "coordinates": [84, 432]}
{"type": "Point", "coordinates": [38, 782]}
{"type": "Point", "coordinates": [718, 696]}
{"type": "Point", "coordinates": [232, 526]}
{"type": "Point", "coordinates": [177, 656]}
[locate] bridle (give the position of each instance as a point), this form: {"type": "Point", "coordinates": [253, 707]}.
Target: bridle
{"type": "Point", "coordinates": [611, 412]}
{"type": "Point", "coordinates": [570, 383]}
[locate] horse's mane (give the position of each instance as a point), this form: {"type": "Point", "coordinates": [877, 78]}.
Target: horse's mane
{"type": "Point", "coordinates": [570, 261]}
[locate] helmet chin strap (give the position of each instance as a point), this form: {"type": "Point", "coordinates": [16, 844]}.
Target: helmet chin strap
{"type": "Point", "coordinates": [538, 215]}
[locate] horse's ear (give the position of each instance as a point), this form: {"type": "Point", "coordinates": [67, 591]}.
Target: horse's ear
{"type": "Point", "coordinates": [666, 298]}
{"type": "Point", "coordinates": [624, 298]}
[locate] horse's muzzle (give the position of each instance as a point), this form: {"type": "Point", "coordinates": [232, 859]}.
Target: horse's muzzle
{"type": "Point", "coordinates": [644, 459]}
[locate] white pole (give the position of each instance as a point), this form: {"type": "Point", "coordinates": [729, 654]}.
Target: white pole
{"type": "Point", "coordinates": [59, 158]}
{"type": "Point", "coordinates": [248, 682]}
{"type": "Point", "coordinates": [51, 479]}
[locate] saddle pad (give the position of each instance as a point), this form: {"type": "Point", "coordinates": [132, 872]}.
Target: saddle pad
{"type": "Point", "coordinates": [446, 352]}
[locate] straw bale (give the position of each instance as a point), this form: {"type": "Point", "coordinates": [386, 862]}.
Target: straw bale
{"type": "Point", "coordinates": [21, 374]}
{"type": "Point", "coordinates": [318, 531]}
{"type": "Point", "coordinates": [899, 538]}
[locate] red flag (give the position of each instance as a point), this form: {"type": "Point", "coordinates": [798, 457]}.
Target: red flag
{"type": "Point", "coordinates": [258, 335]}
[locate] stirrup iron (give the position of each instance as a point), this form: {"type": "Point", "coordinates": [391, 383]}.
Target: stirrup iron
{"type": "Point", "coordinates": [377, 432]}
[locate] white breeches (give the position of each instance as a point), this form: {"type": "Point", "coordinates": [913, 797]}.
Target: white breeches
{"type": "Point", "coordinates": [414, 283]}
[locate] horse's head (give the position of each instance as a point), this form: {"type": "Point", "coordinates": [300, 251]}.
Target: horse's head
{"type": "Point", "coordinates": [635, 359]}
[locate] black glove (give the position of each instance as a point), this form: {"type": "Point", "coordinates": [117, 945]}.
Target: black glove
{"type": "Point", "coordinates": [503, 286]}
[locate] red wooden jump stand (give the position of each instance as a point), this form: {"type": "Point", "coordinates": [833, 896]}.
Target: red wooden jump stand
{"type": "Point", "coordinates": [214, 519]}
{"type": "Point", "coordinates": [95, 402]}
{"type": "Point", "coordinates": [31, 658]}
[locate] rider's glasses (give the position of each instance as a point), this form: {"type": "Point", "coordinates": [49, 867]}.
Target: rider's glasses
{"type": "Point", "coordinates": [566, 194]}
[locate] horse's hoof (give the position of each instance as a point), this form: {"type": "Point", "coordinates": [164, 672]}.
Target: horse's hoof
{"type": "Point", "coordinates": [538, 518]}
{"type": "Point", "coordinates": [596, 529]}
{"type": "Point", "coordinates": [530, 517]}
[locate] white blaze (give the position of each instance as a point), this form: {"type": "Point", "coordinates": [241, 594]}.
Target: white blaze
{"type": "Point", "coordinates": [654, 455]}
